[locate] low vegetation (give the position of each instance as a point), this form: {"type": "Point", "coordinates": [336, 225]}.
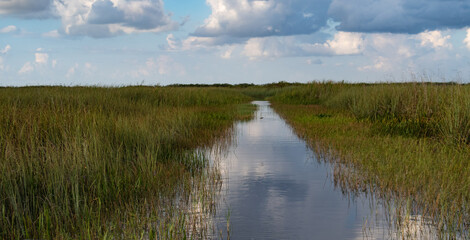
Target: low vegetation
{"type": "Point", "coordinates": [408, 143]}
{"type": "Point", "coordinates": [89, 162]}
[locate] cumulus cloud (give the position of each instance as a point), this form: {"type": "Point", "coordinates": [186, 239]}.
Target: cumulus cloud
{"type": "Point", "coordinates": [435, 39]}
{"type": "Point", "coordinates": [380, 63]}
{"type": "Point", "coordinates": [248, 18]}
{"type": "Point", "coordinates": [27, 8]}
{"type": "Point", "coordinates": [399, 16]}
{"type": "Point", "coordinates": [5, 49]}
{"type": "Point", "coordinates": [390, 43]}
{"type": "Point", "coordinates": [9, 29]}
{"type": "Point", "coordinates": [106, 18]}
{"type": "Point", "coordinates": [41, 58]}
{"type": "Point", "coordinates": [393, 53]}
{"type": "Point", "coordinates": [27, 67]}
{"type": "Point", "coordinates": [466, 41]}
{"type": "Point", "coordinates": [343, 43]}
{"type": "Point", "coordinates": [72, 70]}
{"type": "Point", "coordinates": [162, 65]}
{"type": "Point", "coordinates": [265, 18]}
{"type": "Point", "coordinates": [3, 52]}
{"type": "Point", "coordinates": [260, 18]}
{"type": "Point", "coordinates": [225, 46]}
{"type": "Point", "coordinates": [265, 47]}
{"type": "Point", "coordinates": [52, 34]}
{"type": "Point", "coordinates": [194, 43]}
{"type": "Point", "coordinates": [95, 18]}
{"type": "Point", "coordinates": [227, 54]}
{"type": "Point", "coordinates": [40, 63]}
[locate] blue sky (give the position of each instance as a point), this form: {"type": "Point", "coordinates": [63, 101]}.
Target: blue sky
{"type": "Point", "coordinates": [127, 42]}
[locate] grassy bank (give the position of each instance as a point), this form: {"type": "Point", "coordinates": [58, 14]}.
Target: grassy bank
{"type": "Point", "coordinates": [109, 162]}
{"type": "Point", "coordinates": [408, 143]}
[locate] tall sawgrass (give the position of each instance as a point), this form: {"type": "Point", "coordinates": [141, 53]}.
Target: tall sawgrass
{"type": "Point", "coordinates": [410, 109]}
{"type": "Point", "coordinates": [106, 162]}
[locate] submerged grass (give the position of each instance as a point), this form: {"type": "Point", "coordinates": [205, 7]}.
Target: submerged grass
{"type": "Point", "coordinates": [109, 162]}
{"type": "Point", "coordinates": [407, 143]}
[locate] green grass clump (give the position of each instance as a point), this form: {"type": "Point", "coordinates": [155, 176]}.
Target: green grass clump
{"type": "Point", "coordinates": [88, 162]}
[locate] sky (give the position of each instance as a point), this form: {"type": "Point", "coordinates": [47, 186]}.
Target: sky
{"type": "Point", "coordinates": [161, 42]}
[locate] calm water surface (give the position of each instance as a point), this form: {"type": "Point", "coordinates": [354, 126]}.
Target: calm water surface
{"type": "Point", "coordinates": [274, 188]}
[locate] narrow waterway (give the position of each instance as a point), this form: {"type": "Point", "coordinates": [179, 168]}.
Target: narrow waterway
{"type": "Point", "coordinates": [274, 188]}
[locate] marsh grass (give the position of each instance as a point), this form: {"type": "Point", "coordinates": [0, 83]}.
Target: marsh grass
{"type": "Point", "coordinates": [88, 162]}
{"type": "Point", "coordinates": [407, 144]}
{"type": "Point", "coordinates": [414, 109]}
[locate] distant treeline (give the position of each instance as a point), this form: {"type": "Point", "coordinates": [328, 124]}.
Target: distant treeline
{"type": "Point", "coordinates": [287, 84]}
{"type": "Point", "coordinates": [240, 85]}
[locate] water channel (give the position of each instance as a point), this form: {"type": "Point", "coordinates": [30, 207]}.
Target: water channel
{"type": "Point", "coordinates": [274, 188]}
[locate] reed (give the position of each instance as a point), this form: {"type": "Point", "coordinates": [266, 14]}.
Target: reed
{"type": "Point", "coordinates": [409, 109]}
{"type": "Point", "coordinates": [88, 162]}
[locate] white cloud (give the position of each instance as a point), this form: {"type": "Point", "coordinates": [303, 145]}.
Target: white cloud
{"type": "Point", "coordinates": [166, 65]}
{"type": "Point", "coordinates": [106, 18]}
{"type": "Point", "coordinates": [466, 41]}
{"type": "Point", "coordinates": [94, 18]}
{"type": "Point", "coordinates": [195, 43]}
{"type": "Point", "coordinates": [40, 63]}
{"type": "Point", "coordinates": [9, 29]}
{"type": "Point", "coordinates": [397, 45]}
{"type": "Point", "coordinates": [72, 70]}
{"type": "Point", "coordinates": [5, 49]}
{"type": "Point", "coordinates": [172, 42]}
{"type": "Point", "coordinates": [227, 54]}
{"type": "Point", "coordinates": [80, 71]}
{"type": "Point", "coordinates": [261, 18]}
{"type": "Point", "coordinates": [380, 63]}
{"type": "Point", "coordinates": [52, 34]}
{"type": "Point", "coordinates": [41, 58]}
{"type": "Point", "coordinates": [435, 39]}
{"type": "Point", "coordinates": [27, 67]}
{"type": "Point", "coordinates": [345, 43]}
{"type": "Point", "coordinates": [389, 53]}
{"type": "Point", "coordinates": [256, 48]}
{"type": "Point", "coordinates": [162, 65]}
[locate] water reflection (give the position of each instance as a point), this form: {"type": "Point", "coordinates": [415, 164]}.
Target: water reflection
{"type": "Point", "coordinates": [274, 188]}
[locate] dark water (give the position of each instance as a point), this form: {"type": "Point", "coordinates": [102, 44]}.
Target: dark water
{"type": "Point", "coordinates": [274, 188]}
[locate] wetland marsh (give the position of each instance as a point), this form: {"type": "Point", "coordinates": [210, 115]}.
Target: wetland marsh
{"type": "Point", "coordinates": [324, 160]}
